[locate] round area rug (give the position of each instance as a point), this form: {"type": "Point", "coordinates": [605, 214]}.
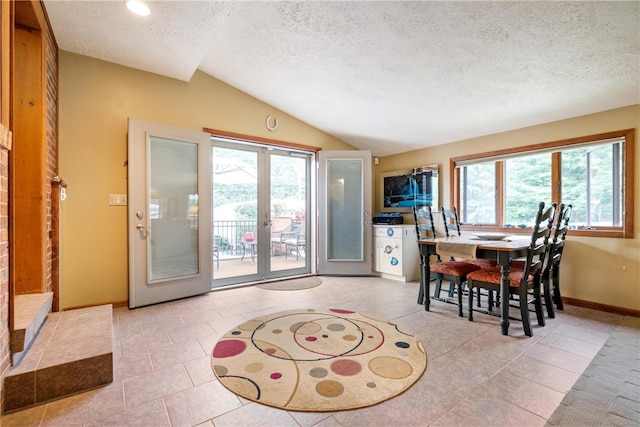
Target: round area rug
{"type": "Point", "coordinates": [318, 360]}
{"type": "Point", "coordinates": [292, 284]}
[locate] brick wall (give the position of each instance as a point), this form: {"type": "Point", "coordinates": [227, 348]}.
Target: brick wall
{"type": "Point", "coordinates": [53, 199]}
{"type": "Point", "coordinates": [5, 146]}
{"type": "Point", "coordinates": [50, 100]}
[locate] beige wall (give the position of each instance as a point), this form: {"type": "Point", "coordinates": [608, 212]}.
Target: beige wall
{"type": "Point", "coordinates": [598, 270]}
{"type": "Point", "coordinates": [96, 98]}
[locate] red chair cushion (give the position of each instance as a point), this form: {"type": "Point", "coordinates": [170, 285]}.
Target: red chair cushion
{"type": "Point", "coordinates": [493, 275]}
{"type": "Point", "coordinates": [454, 268]}
{"type": "Point", "coordinates": [483, 263]}
{"type": "Point", "coordinates": [518, 264]}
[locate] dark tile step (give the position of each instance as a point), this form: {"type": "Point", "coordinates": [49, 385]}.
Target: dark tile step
{"type": "Point", "coordinates": [31, 311]}
{"type": "Point", "coordinates": [73, 352]}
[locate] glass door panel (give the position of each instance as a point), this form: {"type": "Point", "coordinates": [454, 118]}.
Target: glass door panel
{"type": "Point", "coordinates": [345, 212]}
{"type": "Point", "coordinates": [173, 209]}
{"type": "Point", "coordinates": [288, 210]}
{"type": "Point", "coordinates": [261, 196]}
{"type": "Point", "coordinates": [235, 214]}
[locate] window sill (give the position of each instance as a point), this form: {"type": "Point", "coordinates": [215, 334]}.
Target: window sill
{"type": "Point", "coordinates": [583, 232]}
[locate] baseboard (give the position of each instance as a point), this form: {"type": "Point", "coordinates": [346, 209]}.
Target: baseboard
{"type": "Point", "coordinates": [114, 304]}
{"type": "Point", "coordinates": [602, 307]}
{"type": "Point", "coordinates": [571, 301]}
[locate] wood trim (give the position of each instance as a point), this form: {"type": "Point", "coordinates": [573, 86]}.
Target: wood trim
{"type": "Point", "coordinates": [28, 164]}
{"type": "Point", "coordinates": [500, 193]}
{"type": "Point", "coordinates": [117, 304]}
{"type": "Point", "coordinates": [546, 145]}
{"type": "Point", "coordinates": [5, 62]}
{"type": "Point", "coordinates": [266, 141]}
{"type": "Point", "coordinates": [629, 187]}
{"type": "Point", "coordinates": [454, 189]}
{"type": "Point", "coordinates": [601, 307]}
{"type": "Point", "coordinates": [570, 301]}
{"type": "Point", "coordinates": [626, 230]}
{"type": "Point", "coordinates": [556, 185]}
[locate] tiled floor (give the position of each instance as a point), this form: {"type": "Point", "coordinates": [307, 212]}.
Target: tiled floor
{"type": "Point", "coordinates": [475, 375]}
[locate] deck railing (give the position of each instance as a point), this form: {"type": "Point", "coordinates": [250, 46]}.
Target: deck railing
{"type": "Point", "coordinates": [228, 235]}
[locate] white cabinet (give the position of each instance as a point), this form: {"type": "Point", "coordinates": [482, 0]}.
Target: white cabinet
{"type": "Point", "coordinates": [395, 252]}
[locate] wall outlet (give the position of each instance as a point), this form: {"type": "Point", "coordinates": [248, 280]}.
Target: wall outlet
{"type": "Point", "coordinates": [117, 200]}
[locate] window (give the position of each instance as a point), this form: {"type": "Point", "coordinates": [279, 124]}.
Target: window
{"type": "Point", "coordinates": [527, 182]}
{"type": "Point", "coordinates": [478, 194]}
{"type": "Point", "coordinates": [501, 190]}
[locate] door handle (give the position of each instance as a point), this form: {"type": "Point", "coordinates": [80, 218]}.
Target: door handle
{"type": "Point", "coordinates": [142, 230]}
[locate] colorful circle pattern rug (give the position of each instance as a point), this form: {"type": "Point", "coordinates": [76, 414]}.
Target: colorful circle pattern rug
{"type": "Point", "coordinates": [318, 360]}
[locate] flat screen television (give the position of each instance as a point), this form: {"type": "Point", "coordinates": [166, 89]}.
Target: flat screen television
{"type": "Point", "coordinates": [401, 190]}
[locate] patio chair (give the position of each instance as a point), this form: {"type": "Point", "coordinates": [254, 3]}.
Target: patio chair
{"type": "Point", "coordinates": [295, 241]}
{"type": "Point", "coordinates": [279, 225]}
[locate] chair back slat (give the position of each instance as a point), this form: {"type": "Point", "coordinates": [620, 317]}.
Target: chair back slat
{"type": "Point", "coordinates": [539, 245]}
{"type": "Point", "coordinates": [556, 246]}
{"type": "Point", "coordinates": [423, 219]}
{"type": "Point", "coordinates": [562, 223]}
{"type": "Point", "coordinates": [450, 221]}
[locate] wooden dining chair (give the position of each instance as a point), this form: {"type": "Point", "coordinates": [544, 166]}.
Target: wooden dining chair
{"type": "Point", "coordinates": [453, 271]}
{"type": "Point", "coordinates": [451, 223]}
{"type": "Point", "coordinates": [551, 269]}
{"type": "Point", "coordinates": [423, 219]}
{"type": "Point", "coordinates": [425, 229]}
{"type": "Point", "coordinates": [524, 283]}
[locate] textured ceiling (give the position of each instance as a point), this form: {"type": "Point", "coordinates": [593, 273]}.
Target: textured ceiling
{"type": "Point", "coordinates": [387, 76]}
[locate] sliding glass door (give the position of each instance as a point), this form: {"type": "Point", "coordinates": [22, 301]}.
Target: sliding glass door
{"type": "Point", "coordinates": [260, 226]}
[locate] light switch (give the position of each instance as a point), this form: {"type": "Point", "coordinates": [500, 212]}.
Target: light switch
{"type": "Point", "coordinates": [117, 199]}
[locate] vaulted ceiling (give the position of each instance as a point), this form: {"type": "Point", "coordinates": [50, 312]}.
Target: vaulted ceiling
{"type": "Point", "coordinates": [388, 76]}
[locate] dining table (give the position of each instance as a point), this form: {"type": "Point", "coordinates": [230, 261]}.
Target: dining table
{"type": "Point", "coordinates": [503, 251]}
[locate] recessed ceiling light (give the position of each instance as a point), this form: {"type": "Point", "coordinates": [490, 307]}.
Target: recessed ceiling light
{"type": "Point", "coordinates": [138, 7]}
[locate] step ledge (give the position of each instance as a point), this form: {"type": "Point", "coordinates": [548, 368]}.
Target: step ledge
{"type": "Point", "coordinates": [73, 352]}
{"type": "Point", "coordinates": [30, 312]}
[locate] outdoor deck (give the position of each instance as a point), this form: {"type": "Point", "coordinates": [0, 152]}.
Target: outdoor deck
{"type": "Point", "coordinates": [232, 266]}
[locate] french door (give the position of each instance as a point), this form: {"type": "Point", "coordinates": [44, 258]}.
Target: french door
{"type": "Point", "coordinates": [169, 212]}
{"type": "Point", "coordinates": [209, 212]}
{"type": "Point", "coordinates": [261, 199]}
{"type": "Point", "coordinates": [344, 186]}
